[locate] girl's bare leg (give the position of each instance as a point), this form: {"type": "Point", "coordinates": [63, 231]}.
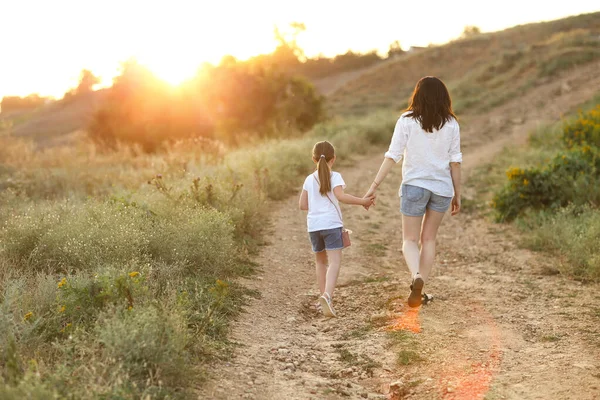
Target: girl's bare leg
{"type": "Point", "coordinates": [321, 259]}
{"type": "Point", "coordinates": [335, 260]}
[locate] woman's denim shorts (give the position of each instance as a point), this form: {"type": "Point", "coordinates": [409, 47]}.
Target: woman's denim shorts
{"type": "Point", "coordinates": [328, 239]}
{"type": "Point", "coordinates": [416, 199]}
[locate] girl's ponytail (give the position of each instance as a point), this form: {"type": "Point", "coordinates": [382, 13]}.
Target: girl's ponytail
{"type": "Point", "coordinates": [324, 176]}
{"type": "Point", "coordinates": [323, 152]}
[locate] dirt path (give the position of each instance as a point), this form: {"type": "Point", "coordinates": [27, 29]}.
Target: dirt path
{"type": "Point", "coordinates": [499, 328]}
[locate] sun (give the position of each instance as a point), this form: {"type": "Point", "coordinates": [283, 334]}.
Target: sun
{"type": "Point", "coordinates": [174, 73]}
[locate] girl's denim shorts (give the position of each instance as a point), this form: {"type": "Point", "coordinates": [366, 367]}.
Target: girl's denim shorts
{"type": "Point", "coordinates": [415, 200]}
{"type": "Point", "coordinates": [328, 239]}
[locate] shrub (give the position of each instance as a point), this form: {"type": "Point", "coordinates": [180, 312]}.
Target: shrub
{"type": "Point", "coordinates": [569, 178]}
{"type": "Point", "coordinates": [584, 130]}
{"type": "Point", "coordinates": [60, 237]}
{"type": "Point", "coordinates": [148, 342]}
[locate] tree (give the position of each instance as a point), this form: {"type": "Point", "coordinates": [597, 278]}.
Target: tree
{"type": "Point", "coordinates": [87, 81]}
{"type": "Point", "coordinates": [470, 31]}
{"type": "Point", "coordinates": [395, 49]}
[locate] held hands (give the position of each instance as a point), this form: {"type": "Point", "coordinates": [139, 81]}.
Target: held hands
{"type": "Point", "coordinates": [370, 195]}
{"type": "Point", "coordinates": [368, 201]}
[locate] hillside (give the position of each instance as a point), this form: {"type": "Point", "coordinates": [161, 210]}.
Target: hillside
{"type": "Point", "coordinates": [482, 71]}
{"type": "Point", "coordinates": [51, 124]}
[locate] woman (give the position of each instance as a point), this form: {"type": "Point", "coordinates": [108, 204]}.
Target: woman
{"type": "Point", "coordinates": [427, 137]}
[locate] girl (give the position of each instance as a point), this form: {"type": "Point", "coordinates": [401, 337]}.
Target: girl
{"type": "Point", "coordinates": [427, 137]}
{"type": "Point", "coordinates": [320, 195]}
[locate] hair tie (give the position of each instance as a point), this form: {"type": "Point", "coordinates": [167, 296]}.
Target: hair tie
{"type": "Point", "coordinates": [322, 155]}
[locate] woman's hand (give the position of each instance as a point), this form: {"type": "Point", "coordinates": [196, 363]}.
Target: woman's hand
{"type": "Point", "coordinates": [370, 194]}
{"type": "Point", "coordinates": [455, 205]}
{"type": "Point", "coordinates": [368, 201]}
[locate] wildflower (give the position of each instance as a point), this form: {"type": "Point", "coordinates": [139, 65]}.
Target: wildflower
{"type": "Point", "coordinates": [28, 316]}
{"type": "Point", "coordinates": [133, 274]}
{"type": "Point", "coordinates": [62, 309]}
{"type": "Point", "coordinates": [525, 182]}
{"type": "Point", "coordinates": [62, 282]}
{"type": "Point", "coordinates": [514, 172]}
{"type": "Point", "coordinates": [130, 308]}
{"type": "Point", "coordinates": [222, 284]}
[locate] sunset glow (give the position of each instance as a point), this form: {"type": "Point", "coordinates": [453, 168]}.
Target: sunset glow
{"type": "Point", "coordinates": [173, 39]}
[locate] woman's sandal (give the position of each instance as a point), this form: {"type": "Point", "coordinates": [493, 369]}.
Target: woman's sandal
{"type": "Point", "coordinates": [425, 297]}
{"type": "Point", "coordinates": [415, 299]}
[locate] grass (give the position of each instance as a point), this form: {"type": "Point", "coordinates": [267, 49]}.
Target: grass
{"type": "Point", "coordinates": [364, 362]}
{"type": "Point", "coordinates": [406, 345]}
{"type": "Point", "coordinates": [117, 268]}
{"type": "Point", "coordinates": [408, 357]}
{"type": "Point", "coordinates": [569, 233]}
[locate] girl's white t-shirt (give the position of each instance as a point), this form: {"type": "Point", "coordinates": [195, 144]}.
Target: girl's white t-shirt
{"type": "Point", "coordinates": [322, 214]}
{"type": "Point", "coordinates": [427, 155]}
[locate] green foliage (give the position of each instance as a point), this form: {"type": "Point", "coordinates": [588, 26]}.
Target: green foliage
{"type": "Point", "coordinates": [569, 178]}
{"type": "Point", "coordinates": [585, 130]}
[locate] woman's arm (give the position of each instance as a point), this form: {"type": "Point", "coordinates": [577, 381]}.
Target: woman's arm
{"type": "Point", "coordinates": [386, 165]}
{"type": "Point", "coordinates": [349, 199]}
{"type": "Point", "coordinates": [456, 175]}
{"type": "Point", "coordinates": [303, 202]}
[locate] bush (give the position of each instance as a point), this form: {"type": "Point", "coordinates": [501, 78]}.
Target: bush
{"type": "Point", "coordinates": [585, 130]}
{"type": "Point", "coordinates": [148, 342]}
{"type": "Point", "coordinates": [569, 178]}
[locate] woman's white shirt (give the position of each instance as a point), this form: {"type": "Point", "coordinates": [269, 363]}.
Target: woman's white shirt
{"type": "Point", "coordinates": [427, 156]}
{"type": "Point", "coordinates": [322, 213]}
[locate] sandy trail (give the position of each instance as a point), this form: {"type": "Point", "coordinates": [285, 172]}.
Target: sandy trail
{"type": "Point", "coordinates": [499, 328]}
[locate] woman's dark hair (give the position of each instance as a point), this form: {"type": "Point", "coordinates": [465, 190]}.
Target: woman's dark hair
{"type": "Point", "coordinates": [430, 104]}
{"type": "Point", "coordinates": [323, 152]}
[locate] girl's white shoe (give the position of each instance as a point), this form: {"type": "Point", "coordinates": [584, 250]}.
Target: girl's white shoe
{"type": "Point", "coordinates": [326, 306]}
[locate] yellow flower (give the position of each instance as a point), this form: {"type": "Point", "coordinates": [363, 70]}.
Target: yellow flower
{"type": "Point", "coordinates": [28, 315]}
{"type": "Point", "coordinates": [221, 284]}
{"type": "Point", "coordinates": [525, 182]}
{"type": "Point", "coordinates": [66, 327]}
{"type": "Point", "coordinates": [62, 282]}
{"type": "Point", "coordinates": [133, 274]}
{"type": "Point", "coordinates": [62, 309]}
{"type": "Point", "coordinates": [130, 308]}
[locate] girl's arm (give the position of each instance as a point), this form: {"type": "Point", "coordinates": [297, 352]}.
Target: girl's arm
{"type": "Point", "coordinates": [455, 173]}
{"type": "Point", "coordinates": [303, 202]}
{"type": "Point", "coordinates": [386, 165]}
{"type": "Point", "coordinates": [349, 199]}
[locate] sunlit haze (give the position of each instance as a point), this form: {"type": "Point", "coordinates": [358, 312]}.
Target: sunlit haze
{"type": "Point", "coordinates": [45, 44]}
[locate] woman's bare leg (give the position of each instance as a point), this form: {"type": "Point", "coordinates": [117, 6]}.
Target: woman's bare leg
{"type": "Point", "coordinates": [431, 224]}
{"type": "Point", "coordinates": [411, 231]}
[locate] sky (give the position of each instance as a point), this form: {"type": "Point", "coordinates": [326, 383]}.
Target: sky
{"type": "Point", "coordinates": [44, 44]}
